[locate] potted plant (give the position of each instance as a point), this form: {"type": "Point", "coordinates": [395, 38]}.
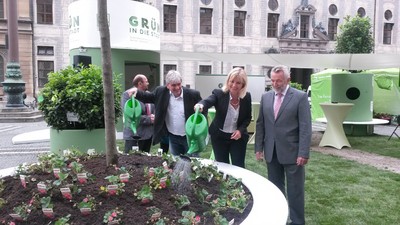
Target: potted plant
{"type": "Point", "coordinates": [73, 106]}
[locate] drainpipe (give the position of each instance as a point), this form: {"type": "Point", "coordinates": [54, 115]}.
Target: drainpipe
{"type": "Point", "coordinates": [374, 26]}
{"type": "Point", "coordinates": [222, 35]}
{"type": "Point", "coordinates": [34, 80]}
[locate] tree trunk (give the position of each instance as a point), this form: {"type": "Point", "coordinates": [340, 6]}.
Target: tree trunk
{"type": "Point", "coordinates": [109, 113]}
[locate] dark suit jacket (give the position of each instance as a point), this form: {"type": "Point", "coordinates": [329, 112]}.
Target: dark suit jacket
{"type": "Point", "coordinates": [290, 133]}
{"type": "Point", "coordinates": [220, 100]}
{"type": "Point", "coordinates": [160, 97]}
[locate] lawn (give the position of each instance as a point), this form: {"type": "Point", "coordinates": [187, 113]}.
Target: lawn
{"type": "Point", "coordinates": [340, 191]}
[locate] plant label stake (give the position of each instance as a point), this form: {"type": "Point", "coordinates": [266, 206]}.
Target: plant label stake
{"type": "Point", "coordinates": [165, 165]}
{"type": "Point", "coordinates": [124, 177]}
{"type": "Point", "coordinates": [151, 171]}
{"type": "Point", "coordinates": [85, 211]}
{"type": "Point", "coordinates": [113, 222]}
{"type": "Point", "coordinates": [23, 181]}
{"type": "Point", "coordinates": [42, 188]}
{"type": "Point", "coordinates": [112, 189]}
{"type": "Point", "coordinates": [155, 216]}
{"type": "Point", "coordinates": [66, 152]}
{"type": "Point", "coordinates": [56, 172]}
{"type": "Point", "coordinates": [209, 197]}
{"type": "Point", "coordinates": [48, 212]}
{"type": "Point", "coordinates": [159, 152]}
{"type": "Point", "coordinates": [82, 178]}
{"type": "Point", "coordinates": [66, 193]}
{"type": "Point", "coordinates": [91, 151]}
{"type": "Point", "coordinates": [16, 217]}
{"type": "Point", "coordinates": [210, 177]}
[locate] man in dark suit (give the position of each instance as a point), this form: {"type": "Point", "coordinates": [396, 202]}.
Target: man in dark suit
{"type": "Point", "coordinates": [174, 104]}
{"type": "Point", "coordinates": [145, 128]}
{"type": "Point", "coordinates": [283, 138]}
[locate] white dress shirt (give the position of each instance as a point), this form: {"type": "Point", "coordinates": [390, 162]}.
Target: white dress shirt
{"type": "Point", "coordinates": [175, 119]}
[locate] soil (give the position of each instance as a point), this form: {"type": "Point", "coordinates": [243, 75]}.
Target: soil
{"type": "Point", "coordinates": [377, 161]}
{"type": "Point", "coordinates": [133, 211]}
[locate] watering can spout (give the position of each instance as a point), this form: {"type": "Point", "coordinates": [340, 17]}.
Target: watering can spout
{"type": "Point", "coordinates": [193, 147]}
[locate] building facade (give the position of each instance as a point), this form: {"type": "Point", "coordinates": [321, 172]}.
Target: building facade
{"type": "Point", "coordinates": [220, 26]}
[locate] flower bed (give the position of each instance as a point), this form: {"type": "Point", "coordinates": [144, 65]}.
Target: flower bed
{"type": "Point", "coordinates": [82, 190]}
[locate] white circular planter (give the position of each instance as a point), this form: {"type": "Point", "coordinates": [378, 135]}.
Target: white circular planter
{"type": "Point", "coordinates": [269, 204]}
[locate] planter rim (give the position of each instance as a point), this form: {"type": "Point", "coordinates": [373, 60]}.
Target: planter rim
{"type": "Point", "coordinates": [269, 204]}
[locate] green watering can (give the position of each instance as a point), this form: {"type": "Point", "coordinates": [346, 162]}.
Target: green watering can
{"type": "Point", "coordinates": [196, 128]}
{"type": "Point", "coordinates": [132, 113]}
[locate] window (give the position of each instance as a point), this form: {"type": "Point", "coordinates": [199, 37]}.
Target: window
{"type": "Point", "coordinates": [205, 69]}
{"type": "Point", "coordinates": [361, 12]}
{"type": "Point", "coordinates": [2, 9]}
{"type": "Point", "coordinates": [304, 26]}
{"type": "Point", "coordinates": [206, 2]}
{"type": "Point", "coordinates": [240, 3]}
{"type": "Point", "coordinates": [45, 50]}
{"type": "Point", "coordinates": [388, 15]}
{"type": "Point", "coordinates": [44, 67]}
{"type": "Point", "coordinates": [332, 9]}
{"type": "Point", "coordinates": [239, 23]}
{"type": "Point", "coordinates": [44, 10]}
{"type": "Point", "coordinates": [332, 28]}
{"type": "Point", "coordinates": [205, 20]}
{"type": "Point", "coordinates": [273, 5]}
{"type": "Point", "coordinates": [170, 18]}
{"type": "Point", "coordinates": [272, 30]}
{"type": "Point", "coordinates": [387, 33]}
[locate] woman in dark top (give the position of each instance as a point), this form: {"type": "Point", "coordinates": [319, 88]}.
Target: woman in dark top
{"type": "Point", "coordinates": [228, 130]}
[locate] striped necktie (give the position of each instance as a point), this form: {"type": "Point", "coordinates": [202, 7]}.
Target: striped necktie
{"type": "Point", "coordinates": [278, 103]}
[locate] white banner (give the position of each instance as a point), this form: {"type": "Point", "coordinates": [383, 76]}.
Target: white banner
{"type": "Point", "coordinates": [133, 25]}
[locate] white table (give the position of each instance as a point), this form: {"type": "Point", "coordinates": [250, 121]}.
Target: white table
{"type": "Point", "coordinates": [334, 135]}
{"type": "Point", "coordinates": [366, 127]}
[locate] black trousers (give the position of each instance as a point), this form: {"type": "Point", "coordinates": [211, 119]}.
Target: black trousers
{"type": "Point", "coordinates": [226, 149]}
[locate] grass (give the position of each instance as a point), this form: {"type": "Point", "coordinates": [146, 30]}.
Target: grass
{"type": "Point", "coordinates": [343, 192]}
{"type": "Point", "coordinates": [377, 144]}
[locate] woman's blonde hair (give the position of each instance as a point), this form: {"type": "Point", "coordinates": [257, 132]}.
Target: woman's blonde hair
{"type": "Point", "coordinates": [241, 74]}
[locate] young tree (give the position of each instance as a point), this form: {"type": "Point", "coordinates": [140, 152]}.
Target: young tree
{"type": "Point", "coordinates": [355, 36]}
{"type": "Point", "coordinates": [109, 113]}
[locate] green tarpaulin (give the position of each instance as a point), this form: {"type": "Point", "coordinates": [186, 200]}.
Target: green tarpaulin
{"type": "Point", "coordinates": [386, 95]}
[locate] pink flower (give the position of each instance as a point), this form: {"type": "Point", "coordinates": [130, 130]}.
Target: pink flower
{"type": "Point", "coordinates": [110, 218]}
{"type": "Point", "coordinates": [197, 219]}
{"type": "Point", "coordinates": [82, 180]}
{"type": "Point", "coordinates": [67, 196]}
{"type": "Point", "coordinates": [114, 214]}
{"type": "Point", "coordinates": [145, 200]}
{"type": "Point", "coordinates": [85, 200]}
{"type": "Point", "coordinates": [12, 223]}
{"type": "Point", "coordinates": [163, 185]}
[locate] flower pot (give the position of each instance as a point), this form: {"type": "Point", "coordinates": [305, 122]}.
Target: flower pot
{"type": "Point", "coordinates": [79, 139]}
